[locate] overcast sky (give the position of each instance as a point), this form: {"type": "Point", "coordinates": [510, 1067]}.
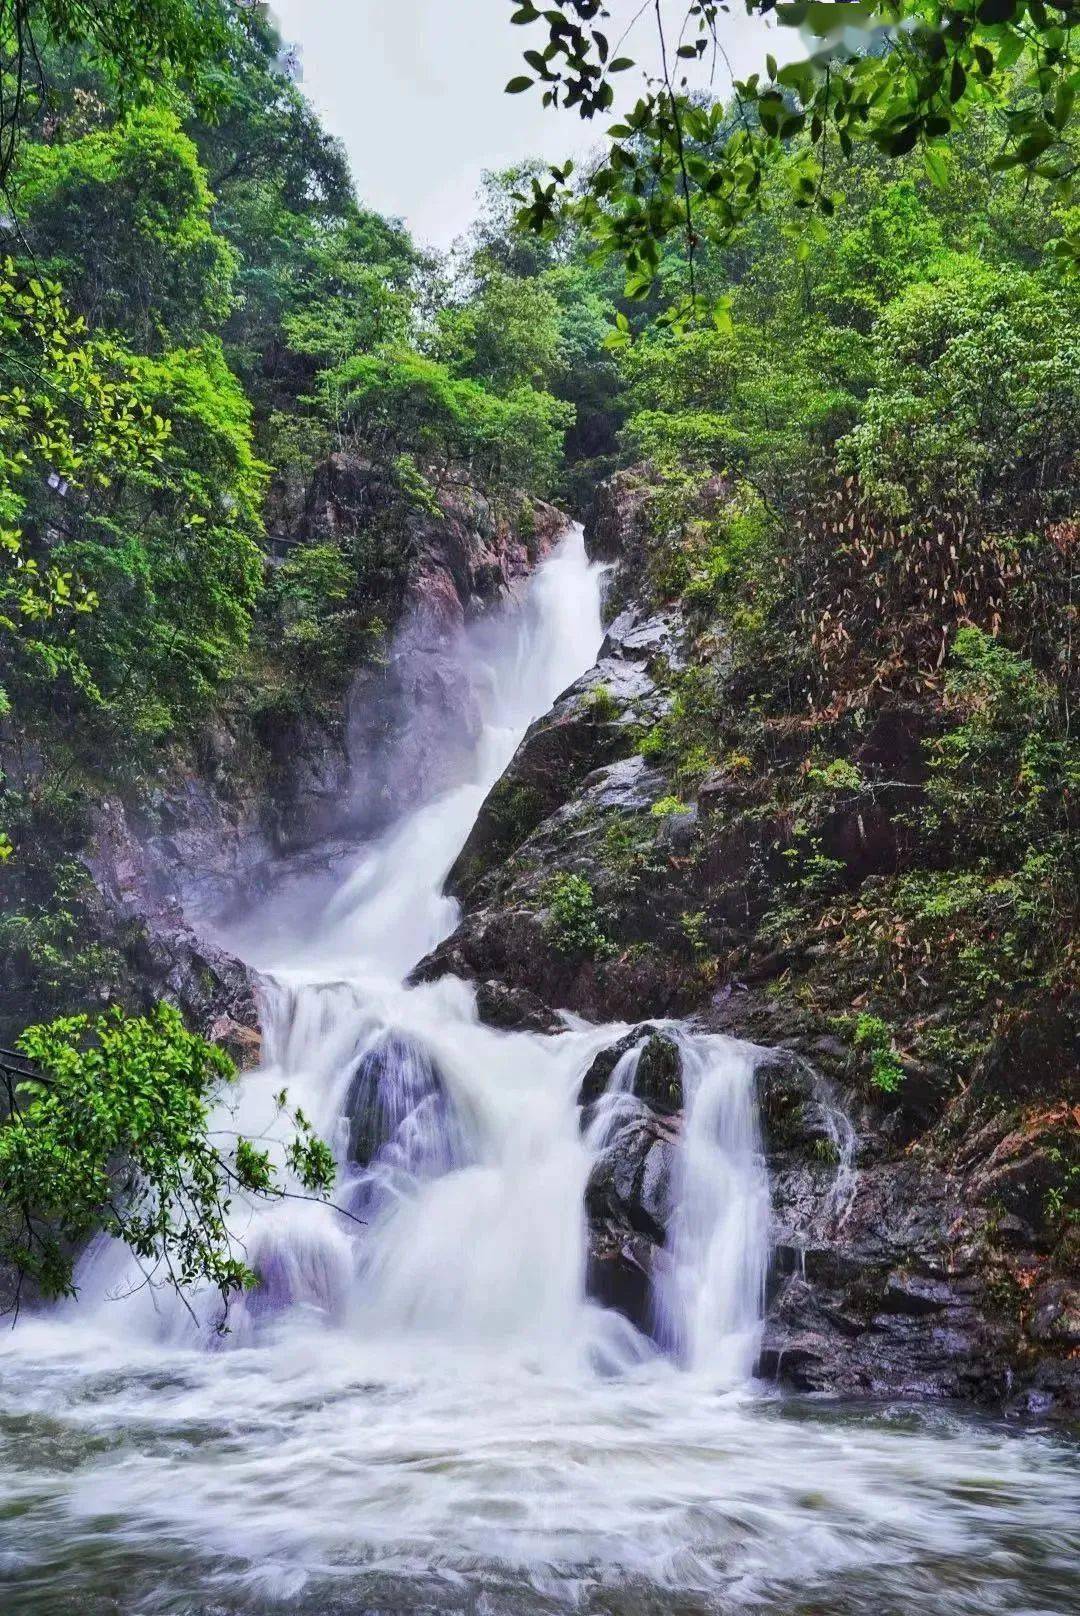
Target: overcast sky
{"type": "Point", "coordinates": [415, 90]}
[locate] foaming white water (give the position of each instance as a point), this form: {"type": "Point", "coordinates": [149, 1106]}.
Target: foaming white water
{"type": "Point", "coordinates": [459, 1147]}
{"type": "Point", "coordinates": [426, 1413]}
{"type": "Point", "coordinates": [325, 1473]}
{"type": "Point", "coordinates": [713, 1298]}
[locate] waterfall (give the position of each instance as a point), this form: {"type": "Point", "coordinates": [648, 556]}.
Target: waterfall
{"type": "Point", "coordinates": [459, 1146]}
{"type": "Point", "coordinates": [424, 1411]}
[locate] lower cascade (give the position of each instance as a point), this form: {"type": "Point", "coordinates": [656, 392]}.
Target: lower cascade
{"type": "Point", "coordinates": [423, 1405]}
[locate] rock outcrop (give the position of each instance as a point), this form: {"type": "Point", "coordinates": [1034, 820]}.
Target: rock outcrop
{"type": "Point", "coordinates": [917, 1241]}
{"type": "Point", "coordinates": [172, 858]}
{"type": "Point", "coordinates": [628, 1195]}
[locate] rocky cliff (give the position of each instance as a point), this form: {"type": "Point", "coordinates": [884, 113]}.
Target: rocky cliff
{"type": "Point", "coordinates": [922, 1238]}
{"type": "Point", "coordinates": [167, 856]}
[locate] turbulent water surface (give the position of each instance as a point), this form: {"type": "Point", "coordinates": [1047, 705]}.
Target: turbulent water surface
{"type": "Point", "coordinates": [422, 1412]}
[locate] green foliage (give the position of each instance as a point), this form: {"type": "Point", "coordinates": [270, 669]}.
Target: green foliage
{"type": "Point", "coordinates": [695, 929]}
{"type": "Point", "coordinates": [514, 811]}
{"type": "Point", "coordinates": [135, 47]}
{"type": "Point", "coordinates": [838, 775]}
{"type": "Point", "coordinates": [52, 944]}
{"type": "Point", "coordinates": [114, 1133]}
{"type": "Point", "coordinates": [682, 174]}
{"type": "Point", "coordinates": [172, 552]}
{"type": "Point", "coordinates": [317, 619]}
{"type": "Point", "coordinates": [573, 924]}
{"type": "Point", "coordinates": [352, 294]}
{"type": "Point", "coordinates": [1010, 767]}
{"type": "Point", "coordinates": [629, 856]}
{"type": "Point", "coordinates": [72, 417]}
{"type": "Point", "coordinates": [652, 744]}
{"type": "Point", "coordinates": [976, 397]}
{"type": "Point", "coordinates": [507, 336]}
{"type": "Point", "coordinates": [403, 401]}
{"type": "Point", "coordinates": [122, 218]}
{"type": "Point", "coordinates": [602, 705]}
{"type": "Point", "coordinates": [873, 1037]}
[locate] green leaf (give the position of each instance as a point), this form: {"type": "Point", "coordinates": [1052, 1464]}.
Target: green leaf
{"type": "Point", "coordinates": [901, 141]}
{"type": "Point", "coordinates": [516, 86]}
{"type": "Point", "coordinates": [936, 164]}
{"type": "Point", "coordinates": [1034, 145]}
{"type": "Point", "coordinates": [1063, 104]}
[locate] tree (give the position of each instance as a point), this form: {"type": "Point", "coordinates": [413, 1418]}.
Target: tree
{"type": "Point", "coordinates": [900, 74]}
{"type": "Point", "coordinates": [133, 43]}
{"type": "Point", "coordinates": [71, 422]}
{"type": "Point", "coordinates": [403, 403]}
{"type": "Point", "coordinates": [122, 218]}
{"type": "Point", "coordinates": [109, 1129]}
{"type": "Point", "coordinates": [976, 399]}
{"type": "Point", "coordinates": [507, 335]}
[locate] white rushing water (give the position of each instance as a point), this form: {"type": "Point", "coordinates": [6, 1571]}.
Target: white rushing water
{"type": "Point", "coordinates": [426, 1413]}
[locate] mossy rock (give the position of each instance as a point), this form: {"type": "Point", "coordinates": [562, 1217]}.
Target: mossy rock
{"type": "Point", "coordinates": [657, 1080]}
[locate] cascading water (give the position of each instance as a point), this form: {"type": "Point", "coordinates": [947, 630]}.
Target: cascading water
{"type": "Point", "coordinates": [426, 1413]}
{"type": "Point", "coordinates": [451, 1137]}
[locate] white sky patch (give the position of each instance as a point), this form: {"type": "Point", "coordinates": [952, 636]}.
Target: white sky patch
{"type": "Point", "coordinates": [414, 88]}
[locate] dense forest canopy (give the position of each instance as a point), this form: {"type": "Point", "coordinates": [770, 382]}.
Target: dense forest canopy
{"type": "Point", "coordinates": [835, 316]}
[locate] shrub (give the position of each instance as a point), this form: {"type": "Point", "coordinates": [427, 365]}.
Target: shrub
{"type": "Point", "coordinates": [602, 705]}
{"type": "Point", "coordinates": [872, 1035]}
{"type": "Point", "coordinates": [573, 926]}
{"type": "Point", "coordinates": [112, 1133]}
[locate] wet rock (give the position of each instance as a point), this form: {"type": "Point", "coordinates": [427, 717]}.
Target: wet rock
{"type": "Point", "coordinates": [1037, 1052]}
{"type": "Point", "coordinates": [1055, 1315]}
{"type": "Point", "coordinates": [619, 1274]}
{"type": "Point", "coordinates": [244, 1044]}
{"type": "Point", "coordinates": [595, 725]}
{"type": "Point", "coordinates": [628, 1206]}
{"type": "Point", "coordinates": [1020, 1176]}
{"type": "Point", "coordinates": [615, 529]}
{"type": "Point", "coordinates": [916, 1295]}
{"type": "Point", "coordinates": [716, 794]}
{"type": "Point", "coordinates": [628, 1197]}
{"type": "Point", "coordinates": [515, 1009]}
{"type": "Point", "coordinates": [397, 1099]}
{"type": "Point", "coordinates": [630, 1181]}
{"type": "Point", "coordinates": [789, 1094]}
{"type": "Point", "coordinates": [657, 1076]}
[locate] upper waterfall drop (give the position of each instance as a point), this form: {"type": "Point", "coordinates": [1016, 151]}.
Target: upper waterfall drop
{"type": "Point", "coordinates": [389, 908]}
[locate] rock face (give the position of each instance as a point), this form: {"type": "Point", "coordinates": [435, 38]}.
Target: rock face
{"type": "Point", "coordinates": [628, 1194]}
{"type": "Point", "coordinates": [916, 1246]}
{"type": "Point", "coordinates": [168, 863]}
{"type": "Point", "coordinates": [575, 770]}
{"type": "Point", "coordinates": [917, 1275]}
{"type": "Point", "coordinates": [166, 957]}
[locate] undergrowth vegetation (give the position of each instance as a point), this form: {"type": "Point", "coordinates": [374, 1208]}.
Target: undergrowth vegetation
{"type": "Point", "coordinates": [863, 493]}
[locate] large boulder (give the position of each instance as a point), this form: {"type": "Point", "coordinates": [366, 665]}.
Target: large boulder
{"type": "Point", "coordinates": [657, 1077]}
{"type": "Point", "coordinates": [628, 1196]}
